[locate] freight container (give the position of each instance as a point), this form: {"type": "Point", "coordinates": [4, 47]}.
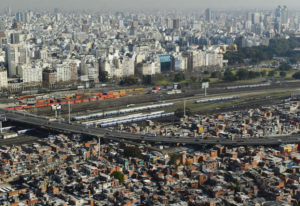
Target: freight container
{"type": "Point", "coordinates": [40, 101]}
{"type": "Point", "coordinates": [85, 100]}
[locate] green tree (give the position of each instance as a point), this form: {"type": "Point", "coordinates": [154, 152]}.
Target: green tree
{"type": "Point", "coordinates": [205, 80]}
{"type": "Point", "coordinates": [229, 76]}
{"type": "Point", "coordinates": [216, 74]}
{"type": "Point", "coordinates": [238, 186]}
{"type": "Point", "coordinates": [242, 74]}
{"type": "Point", "coordinates": [133, 151]}
{"type": "Point", "coordinates": [282, 74]}
{"type": "Point", "coordinates": [285, 67]}
{"type": "Point", "coordinates": [174, 158]}
{"type": "Point", "coordinates": [128, 81]}
{"type": "Point", "coordinates": [263, 73]}
{"type": "Point", "coordinates": [253, 75]}
{"type": "Point", "coordinates": [193, 78]}
{"type": "Point", "coordinates": [296, 75]}
{"type": "Point", "coordinates": [103, 76]}
{"type": "Point", "coordinates": [119, 176]}
{"type": "Point", "coordinates": [272, 73]}
{"type": "Point", "coordinates": [179, 77]}
{"type": "Point", "coordinates": [277, 47]}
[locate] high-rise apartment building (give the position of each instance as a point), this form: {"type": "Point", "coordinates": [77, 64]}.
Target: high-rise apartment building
{"type": "Point", "coordinates": [208, 15]}
{"type": "Point", "coordinates": [16, 54]}
{"type": "Point", "coordinates": [176, 23]}
{"type": "Point", "coordinates": [3, 78]}
{"type": "Point", "coordinates": [30, 74]}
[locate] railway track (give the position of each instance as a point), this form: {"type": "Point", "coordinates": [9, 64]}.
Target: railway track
{"type": "Point", "coordinates": [18, 140]}
{"type": "Point", "coordinates": [195, 94]}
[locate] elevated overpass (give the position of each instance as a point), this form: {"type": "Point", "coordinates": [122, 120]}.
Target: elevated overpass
{"type": "Point", "coordinates": [43, 122]}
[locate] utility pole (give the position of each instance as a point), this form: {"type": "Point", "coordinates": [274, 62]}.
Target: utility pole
{"type": "Point", "coordinates": [1, 127]}
{"type": "Point", "coordinates": [99, 147]}
{"type": "Point", "coordinates": [184, 102]}
{"type": "Point", "coordinates": [69, 106]}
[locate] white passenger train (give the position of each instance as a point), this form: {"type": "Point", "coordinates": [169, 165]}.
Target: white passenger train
{"type": "Point", "coordinates": [249, 86]}
{"type": "Point", "coordinates": [121, 111]}
{"type": "Point", "coordinates": [217, 99]}
{"type": "Point", "coordinates": [128, 119]}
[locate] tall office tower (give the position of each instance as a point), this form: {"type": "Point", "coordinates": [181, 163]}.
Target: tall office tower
{"type": "Point", "coordinates": [176, 23]}
{"type": "Point", "coordinates": [12, 55]}
{"type": "Point", "coordinates": [85, 28]}
{"type": "Point", "coordinates": [249, 16]}
{"type": "Point", "coordinates": [56, 10]}
{"type": "Point", "coordinates": [15, 38]}
{"type": "Point", "coordinates": [278, 12]}
{"type": "Point", "coordinates": [255, 18]}
{"type": "Point", "coordinates": [74, 75]}
{"type": "Point", "coordinates": [19, 17]}
{"type": "Point", "coordinates": [57, 17]}
{"type": "Point", "coordinates": [169, 23]}
{"type": "Point", "coordinates": [8, 11]}
{"type": "Point", "coordinates": [282, 15]}
{"type": "Point", "coordinates": [83, 67]}
{"type": "Point", "coordinates": [208, 15]}
{"type": "Point", "coordinates": [16, 54]}
{"type": "Point", "coordinates": [100, 20]}
{"type": "Point", "coordinates": [267, 20]}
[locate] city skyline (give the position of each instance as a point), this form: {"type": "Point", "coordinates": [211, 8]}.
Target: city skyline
{"type": "Point", "coordinates": [146, 4]}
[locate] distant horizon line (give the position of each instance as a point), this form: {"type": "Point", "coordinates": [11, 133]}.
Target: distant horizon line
{"type": "Point", "coordinates": [238, 9]}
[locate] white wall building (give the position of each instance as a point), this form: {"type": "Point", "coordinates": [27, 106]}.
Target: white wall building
{"type": "Point", "coordinates": [3, 78]}
{"type": "Point", "coordinates": [30, 74]}
{"type": "Point", "coordinates": [63, 72]}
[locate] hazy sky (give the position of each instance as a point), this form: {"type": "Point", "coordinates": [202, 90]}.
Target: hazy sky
{"type": "Point", "coordinates": [136, 4]}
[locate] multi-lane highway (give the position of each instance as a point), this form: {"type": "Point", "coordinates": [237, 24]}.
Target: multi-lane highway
{"type": "Point", "coordinates": [38, 121]}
